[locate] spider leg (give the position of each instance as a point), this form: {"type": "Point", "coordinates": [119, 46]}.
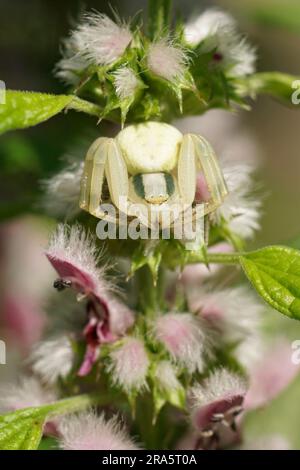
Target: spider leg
{"type": "Point", "coordinates": [93, 177]}
{"type": "Point", "coordinates": [196, 154]}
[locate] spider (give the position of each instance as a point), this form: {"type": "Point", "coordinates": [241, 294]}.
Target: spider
{"type": "Point", "coordinates": [151, 167]}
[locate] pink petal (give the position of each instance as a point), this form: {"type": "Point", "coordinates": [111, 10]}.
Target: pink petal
{"type": "Point", "coordinates": [82, 280]}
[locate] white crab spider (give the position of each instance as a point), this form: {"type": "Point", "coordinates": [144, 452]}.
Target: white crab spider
{"type": "Point", "coordinates": [151, 166]}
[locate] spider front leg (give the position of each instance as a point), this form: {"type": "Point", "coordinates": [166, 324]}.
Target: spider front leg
{"type": "Point", "coordinates": [104, 158]}
{"type": "Point", "coordinates": [93, 177]}
{"type": "Point", "coordinates": [197, 155]}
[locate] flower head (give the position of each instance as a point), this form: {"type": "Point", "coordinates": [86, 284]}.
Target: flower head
{"type": "Point", "coordinates": [97, 40]}
{"type": "Point", "coordinates": [87, 431]}
{"type": "Point", "coordinates": [73, 254]}
{"type": "Point", "coordinates": [183, 336]}
{"type": "Point", "coordinates": [166, 377]}
{"type": "Point", "coordinates": [72, 64]}
{"type": "Point", "coordinates": [218, 32]}
{"type": "Point", "coordinates": [62, 191]}
{"type": "Point", "coordinates": [166, 60]}
{"type": "Point", "coordinates": [218, 399]}
{"type": "Point", "coordinates": [126, 82]}
{"type": "Point", "coordinates": [129, 364]}
{"type": "Point", "coordinates": [27, 392]}
{"type": "Point", "coordinates": [52, 359]}
{"type": "Point", "coordinates": [240, 209]}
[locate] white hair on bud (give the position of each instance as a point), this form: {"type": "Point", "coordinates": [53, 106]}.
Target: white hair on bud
{"type": "Point", "coordinates": [87, 431]}
{"type": "Point", "coordinates": [28, 392]}
{"type": "Point", "coordinates": [184, 338]}
{"type": "Point", "coordinates": [210, 23]}
{"type": "Point", "coordinates": [219, 31]}
{"type": "Point", "coordinates": [97, 40]}
{"type": "Point", "coordinates": [62, 191]}
{"type": "Point", "coordinates": [167, 60]}
{"type": "Point", "coordinates": [126, 82]}
{"type": "Point", "coordinates": [220, 385]}
{"type": "Point", "coordinates": [240, 208]}
{"type": "Point", "coordinates": [129, 364]}
{"type": "Point", "coordinates": [52, 359]}
{"type": "Point", "coordinates": [165, 374]}
{"type": "Point", "coordinates": [72, 64]}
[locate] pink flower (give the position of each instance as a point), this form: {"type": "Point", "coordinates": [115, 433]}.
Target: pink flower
{"type": "Point", "coordinates": [167, 60]}
{"type": "Point", "coordinates": [74, 255]}
{"type": "Point", "coordinates": [87, 431]}
{"type": "Point", "coordinates": [271, 375]}
{"type": "Point", "coordinates": [217, 401]}
{"type": "Point", "coordinates": [129, 364]}
{"type": "Point", "coordinates": [183, 337]}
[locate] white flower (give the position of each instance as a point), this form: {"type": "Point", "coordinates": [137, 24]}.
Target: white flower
{"type": "Point", "coordinates": [183, 337]}
{"type": "Point", "coordinates": [62, 191]}
{"type": "Point", "coordinates": [69, 68]}
{"type": "Point", "coordinates": [52, 359]}
{"type": "Point", "coordinates": [126, 82]}
{"type": "Point", "coordinates": [97, 40]}
{"type": "Point", "coordinates": [165, 375]}
{"type": "Point", "coordinates": [87, 431]}
{"type": "Point", "coordinates": [218, 30]}
{"type": "Point", "coordinates": [26, 393]}
{"type": "Point", "coordinates": [167, 60]}
{"type": "Point", "coordinates": [240, 209]}
{"type": "Point", "coordinates": [129, 364]}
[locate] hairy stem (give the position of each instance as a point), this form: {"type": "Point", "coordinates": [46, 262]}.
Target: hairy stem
{"type": "Point", "coordinates": [215, 258]}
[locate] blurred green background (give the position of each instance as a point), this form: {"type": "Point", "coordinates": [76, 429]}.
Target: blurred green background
{"type": "Point", "coordinates": [30, 38]}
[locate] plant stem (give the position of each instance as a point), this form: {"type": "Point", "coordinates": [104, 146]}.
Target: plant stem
{"type": "Point", "coordinates": [85, 106]}
{"type": "Point", "coordinates": [74, 404]}
{"type": "Point", "coordinates": [215, 258]}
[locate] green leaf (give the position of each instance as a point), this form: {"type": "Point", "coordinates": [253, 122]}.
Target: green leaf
{"type": "Point", "coordinates": [22, 429]}
{"type": "Point", "coordinates": [274, 271]}
{"type": "Point", "coordinates": [278, 85]}
{"type": "Point", "coordinates": [25, 108]}
{"type": "Point", "coordinates": [159, 17]}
